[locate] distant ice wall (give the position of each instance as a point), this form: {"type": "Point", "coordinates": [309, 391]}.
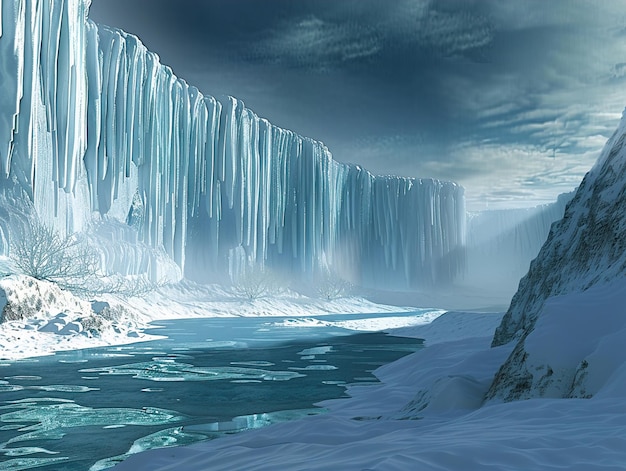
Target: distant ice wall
{"type": "Point", "coordinates": [92, 126]}
{"type": "Point", "coordinates": [502, 243]}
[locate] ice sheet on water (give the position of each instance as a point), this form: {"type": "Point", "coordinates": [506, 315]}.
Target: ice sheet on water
{"type": "Point", "coordinates": [24, 378]}
{"type": "Point", "coordinates": [321, 350]}
{"type": "Point", "coordinates": [162, 439]}
{"type": "Point", "coordinates": [23, 464]}
{"type": "Point", "coordinates": [367, 324]}
{"type": "Point", "coordinates": [187, 435]}
{"type": "Point", "coordinates": [65, 388]}
{"type": "Point", "coordinates": [166, 438]}
{"type": "Point", "coordinates": [27, 450]}
{"type": "Point", "coordinates": [313, 368]}
{"type": "Point", "coordinates": [49, 418]}
{"type": "Point", "coordinates": [173, 371]}
{"type": "Point", "coordinates": [253, 421]}
{"type": "Point", "coordinates": [302, 322]}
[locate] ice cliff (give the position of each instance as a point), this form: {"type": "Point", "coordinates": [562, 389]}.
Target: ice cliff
{"type": "Point", "coordinates": [568, 318]}
{"type": "Point", "coordinates": [502, 243]}
{"type": "Point", "coordinates": [93, 128]}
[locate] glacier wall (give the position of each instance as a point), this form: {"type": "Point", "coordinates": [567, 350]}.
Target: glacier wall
{"type": "Point", "coordinates": [94, 128]}
{"type": "Point", "coordinates": [502, 243]}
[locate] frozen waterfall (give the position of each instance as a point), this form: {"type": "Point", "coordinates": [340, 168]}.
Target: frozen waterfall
{"type": "Point", "coordinates": [94, 127]}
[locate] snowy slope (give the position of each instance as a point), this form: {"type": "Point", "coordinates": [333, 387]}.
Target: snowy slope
{"type": "Point", "coordinates": [585, 251]}
{"type": "Point", "coordinates": [107, 129]}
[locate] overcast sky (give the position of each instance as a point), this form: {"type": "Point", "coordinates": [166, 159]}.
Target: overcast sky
{"type": "Point", "coordinates": [513, 99]}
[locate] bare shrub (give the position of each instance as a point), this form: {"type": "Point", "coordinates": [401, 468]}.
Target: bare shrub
{"type": "Point", "coordinates": [256, 283]}
{"type": "Point", "coordinates": [117, 313]}
{"type": "Point", "coordinates": [70, 262]}
{"type": "Point", "coordinates": [17, 312]}
{"type": "Point", "coordinates": [42, 253]}
{"type": "Point", "coordinates": [95, 324]}
{"type": "Point", "coordinates": [329, 285]}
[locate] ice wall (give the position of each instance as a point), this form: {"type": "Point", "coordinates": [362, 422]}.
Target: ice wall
{"type": "Point", "coordinates": [502, 243]}
{"type": "Point", "coordinates": [92, 125]}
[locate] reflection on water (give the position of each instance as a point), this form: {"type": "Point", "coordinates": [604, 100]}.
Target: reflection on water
{"type": "Point", "coordinates": [90, 409]}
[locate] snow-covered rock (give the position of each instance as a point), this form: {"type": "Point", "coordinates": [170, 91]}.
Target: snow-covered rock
{"type": "Point", "coordinates": [39, 318]}
{"type": "Point", "coordinates": [572, 298]}
{"type": "Point", "coordinates": [72, 328]}
{"type": "Point", "coordinates": [23, 297]}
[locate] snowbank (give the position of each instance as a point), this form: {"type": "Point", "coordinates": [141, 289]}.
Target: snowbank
{"type": "Point", "coordinates": [576, 349]}
{"type": "Point", "coordinates": [39, 318]}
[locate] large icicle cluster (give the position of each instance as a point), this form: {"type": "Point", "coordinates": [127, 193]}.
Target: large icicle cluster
{"type": "Point", "coordinates": [91, 121]}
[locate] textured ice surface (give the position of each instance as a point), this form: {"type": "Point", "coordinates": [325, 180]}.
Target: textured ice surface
{"type": "Point", "coordinates": [50, 418]}
{"type": "Point", "coordinates": [180, 436]}
{"type": "Point", "coordinates": [22, 464]}
{"type": "Point", "coordinates": [170, 370]}
{"type": "Point", "coordinates": [316, 350]}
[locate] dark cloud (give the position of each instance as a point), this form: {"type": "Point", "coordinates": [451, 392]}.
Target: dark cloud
{"type": "Point", "coordinates": [501, 96]}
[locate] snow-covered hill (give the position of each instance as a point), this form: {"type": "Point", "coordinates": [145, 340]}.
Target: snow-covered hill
{"type": "Point", "coordinates": [38, 318]}
{"type": "Point", "coordinates": [570, 307]}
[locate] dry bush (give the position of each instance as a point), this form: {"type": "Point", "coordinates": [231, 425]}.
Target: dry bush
{"type": "Point", "coordinates": [70, 262]}
{"type": "Point", "coordinates": [42, 253]}
{"type": "Point", "coordinates": [256, 283]}
{"type": "Point", "coordinates": [329, 285]}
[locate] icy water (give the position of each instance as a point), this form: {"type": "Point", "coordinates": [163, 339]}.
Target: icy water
{"type": "Point", "coordinates": [88, 410]}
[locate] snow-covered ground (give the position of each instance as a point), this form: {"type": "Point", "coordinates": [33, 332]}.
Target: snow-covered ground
{"type": "Point", "coordinates": [39, 318]}
{"type": "Point", "coordinates": [429, 411]}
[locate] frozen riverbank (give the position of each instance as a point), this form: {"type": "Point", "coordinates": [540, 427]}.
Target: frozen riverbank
{"type": "Point", "coordinates": [40, 319]}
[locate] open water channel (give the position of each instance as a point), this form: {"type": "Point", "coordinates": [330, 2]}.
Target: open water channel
{"type": "Point", "coordinates": [89, 409]}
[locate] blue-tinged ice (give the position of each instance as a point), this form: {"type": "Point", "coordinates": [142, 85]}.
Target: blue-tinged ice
{"type": "Point", "coordinates": [93, 128]}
